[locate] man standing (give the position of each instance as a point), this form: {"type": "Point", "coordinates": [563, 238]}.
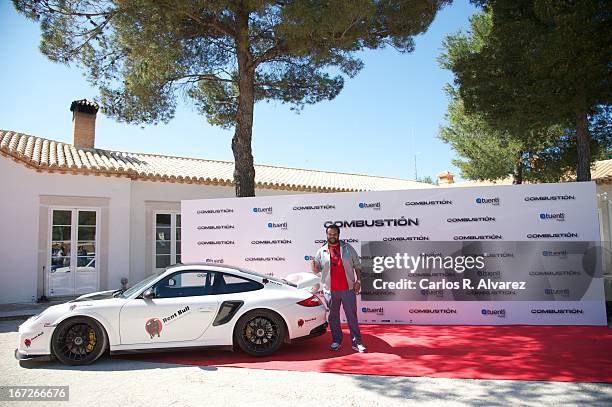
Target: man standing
{"type": "Point", "coordinates": [340, 270]}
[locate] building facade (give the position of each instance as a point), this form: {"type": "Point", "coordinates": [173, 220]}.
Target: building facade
{"type": "Point", "coordinates": [79, 219]}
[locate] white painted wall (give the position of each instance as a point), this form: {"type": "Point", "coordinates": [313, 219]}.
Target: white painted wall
{"type": "Point", "coordinates": [19, 216]}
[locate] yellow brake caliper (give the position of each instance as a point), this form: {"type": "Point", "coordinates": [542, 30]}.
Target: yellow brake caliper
{"type": "Point", "coordinates": [91, 342]}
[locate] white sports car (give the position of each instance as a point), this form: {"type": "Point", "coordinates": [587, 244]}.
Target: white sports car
{"type": "Point", "coordinates": [185, 306]}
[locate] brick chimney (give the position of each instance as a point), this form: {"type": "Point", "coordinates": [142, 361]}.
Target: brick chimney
{"type": "Point", "coordinates": [446, 178]}
{"type": "Point", "coordinates": [83, 123]}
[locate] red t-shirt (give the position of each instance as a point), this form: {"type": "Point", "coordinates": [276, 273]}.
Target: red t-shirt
{"type": "Point", "coordinates": [338, 276]}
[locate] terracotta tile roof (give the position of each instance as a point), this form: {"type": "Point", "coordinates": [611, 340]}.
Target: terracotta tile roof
{"type": "Point", "coordinates": [53, 156]}
{"type": "Point", "coordinates": [602, 171]}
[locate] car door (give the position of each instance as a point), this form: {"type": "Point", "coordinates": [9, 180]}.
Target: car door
{"type": "Point", "coordinates": [182, 310]}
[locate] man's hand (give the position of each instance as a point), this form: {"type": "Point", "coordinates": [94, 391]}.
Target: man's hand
{"type": "Point", "coordinates": [357, 287]}
{"type": "Point", "coordinates": [314, 267]}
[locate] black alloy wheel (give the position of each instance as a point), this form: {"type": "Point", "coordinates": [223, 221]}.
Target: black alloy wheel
{"type": "Point", "coordinates": [79, 341]}
{"type": "Point", "coordinates": [260, 332]}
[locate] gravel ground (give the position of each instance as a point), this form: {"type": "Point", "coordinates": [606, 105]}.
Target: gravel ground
{"type": "Point", "coordinates": [127, 383]}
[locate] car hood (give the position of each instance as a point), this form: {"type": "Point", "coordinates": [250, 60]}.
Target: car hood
{"type": "Point", "coordinates": [100, 295]}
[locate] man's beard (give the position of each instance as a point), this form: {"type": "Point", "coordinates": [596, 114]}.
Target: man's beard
{"type": "Point", "coordinates": [332, 240]}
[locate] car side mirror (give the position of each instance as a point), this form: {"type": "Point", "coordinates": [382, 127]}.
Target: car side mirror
{"type": "Point", "coordinates": [148, 294]}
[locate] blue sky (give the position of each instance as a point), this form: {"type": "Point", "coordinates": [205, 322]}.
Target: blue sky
{"type": "Point", "coordinates": [367, 129]}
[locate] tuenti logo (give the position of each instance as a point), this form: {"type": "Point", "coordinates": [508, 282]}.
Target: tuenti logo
{"type": "Point", "coordinates": [273, 225]}
{"type": "Point", "coordinates": [500, 313]}
{"type": "Point", "coordinates": [488, 201]}
{"type": "Point", "coordinates": [553, 216]}
{"type": "Point", "coordinates": [370, 205]}
{"type": "Point", "coordinates": [308, 258]}
{"type": "Point", "coordinates": [267, 210]}
{"type": "Point", "coordinates": [214, 261]}
{"type": "Point", "coordinates": [377, 311]}
{"type": "Point", "coordinates": [559, 253]}
{"type": "Point", "coordinates": [563, 292]}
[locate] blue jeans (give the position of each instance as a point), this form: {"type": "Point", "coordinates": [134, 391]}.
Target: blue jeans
{"type": "Point", "coordinates": [348, 300]}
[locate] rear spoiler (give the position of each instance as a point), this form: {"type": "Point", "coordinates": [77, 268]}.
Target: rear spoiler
{"type": "Point", "coordinates": [305, 280]}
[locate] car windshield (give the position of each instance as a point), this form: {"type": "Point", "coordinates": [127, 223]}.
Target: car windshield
{"type": "Point", "coordinates": [139, 286]}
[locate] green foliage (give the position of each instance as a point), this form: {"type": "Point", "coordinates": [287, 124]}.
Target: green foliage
{"type": "Point", "coordinates": [484, 152]}
{"type": "Point", "coordinates": [222, 55]}
{"type": "Point", "coordinates": [524, 76]}
{"type": "Point", "coordinates": [427, 180]}
{"type": "Point", "coordinates": [144, 54]}
{"type": "Point", "coordinates": [540, 59]}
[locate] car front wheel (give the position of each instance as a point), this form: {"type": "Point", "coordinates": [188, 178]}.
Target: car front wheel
{"type": "Point", "coordinates": [79, 341]}
{"type": "Point", "coordinates": [260, 332]}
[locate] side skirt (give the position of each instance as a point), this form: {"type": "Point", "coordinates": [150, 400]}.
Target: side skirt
{"type": "Point", "coordinates": [167, 350]}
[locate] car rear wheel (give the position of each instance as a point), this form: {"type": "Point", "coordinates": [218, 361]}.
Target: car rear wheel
{"type": "Point", "coordinates": [260, 332]}
{"type": "Point", "coordinates": [79, 341]}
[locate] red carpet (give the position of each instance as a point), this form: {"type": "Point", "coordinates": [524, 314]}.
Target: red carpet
{"type": "Point", "coordinates": [550, 353]}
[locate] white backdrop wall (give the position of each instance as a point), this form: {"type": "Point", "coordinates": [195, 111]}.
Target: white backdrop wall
{"type": "Point", "coordinates": [147, 197]}
{"type": "Point", "coordinates": [277, 235]}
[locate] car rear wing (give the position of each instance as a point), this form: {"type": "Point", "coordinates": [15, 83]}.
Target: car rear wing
{"type": "Point", "coordinates": [305, 281]}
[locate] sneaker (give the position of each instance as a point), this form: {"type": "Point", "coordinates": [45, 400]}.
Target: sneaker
{"type": "Point", "coordinates": [334, 346]}
{"type": "Point", "coordinates": [359, 348]}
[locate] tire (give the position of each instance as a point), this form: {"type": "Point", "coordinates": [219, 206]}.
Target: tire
{"type": "Point", "coordinates": [260, 332]}
{"type": "Point", "coordinates": [79, 341]}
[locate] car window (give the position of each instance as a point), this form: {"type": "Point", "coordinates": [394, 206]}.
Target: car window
{"type": "Point", "coordinates": [229, 284]}
{"type": "Point", "coordinates": [188, 283]}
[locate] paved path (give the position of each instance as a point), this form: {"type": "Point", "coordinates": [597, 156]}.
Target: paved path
{"type": "Point", "coordinates": [116, 382]}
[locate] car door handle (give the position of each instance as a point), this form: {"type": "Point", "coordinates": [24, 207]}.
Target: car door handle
{"type": "Point", "coordinates": [204, 309]}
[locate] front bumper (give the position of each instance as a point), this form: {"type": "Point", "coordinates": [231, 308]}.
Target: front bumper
{"type": "Point", "coordinates": [21, 355]}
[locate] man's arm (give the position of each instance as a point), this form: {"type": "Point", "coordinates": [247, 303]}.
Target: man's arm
{"type": "Point", "coordinates": [315, 264]}
{"type": "Point", "coordinates": [357, 268]}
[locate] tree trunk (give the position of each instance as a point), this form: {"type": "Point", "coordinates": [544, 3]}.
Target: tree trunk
{"type": "Point", "coordinates": [244, 169]}
{"type": "Point", "coordinates": [517, 174]}
{"type": "Point", "coordinates": [583, 144]}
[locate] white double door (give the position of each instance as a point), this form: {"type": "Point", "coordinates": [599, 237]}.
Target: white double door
{"type": "Point", "coordinates": [72, 266]}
